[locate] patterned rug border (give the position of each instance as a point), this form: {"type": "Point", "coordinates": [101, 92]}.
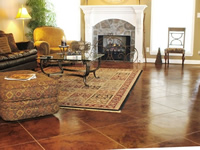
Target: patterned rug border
{"type": "Point", "coordinates": [90, 109]}
{"type": "Point", "coordinates": [108, 110]}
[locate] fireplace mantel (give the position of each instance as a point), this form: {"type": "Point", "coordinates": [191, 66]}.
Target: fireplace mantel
{"type": "Point", "coordinates": [131, 13]}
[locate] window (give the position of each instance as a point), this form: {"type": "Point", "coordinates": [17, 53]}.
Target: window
{"type": "Point", "coordinates": [171, 13]}
{"type": "Point", "coordinates": [68, 17]}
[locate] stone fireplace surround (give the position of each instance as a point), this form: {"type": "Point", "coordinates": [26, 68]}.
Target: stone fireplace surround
{"type": "Point", "coordinates": [116, 28]}
{"type": "Point", "coordinates": [132, 14]}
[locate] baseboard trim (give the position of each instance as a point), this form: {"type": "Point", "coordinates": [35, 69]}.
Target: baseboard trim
{"type": "Point", "coordinates": [174, 61]}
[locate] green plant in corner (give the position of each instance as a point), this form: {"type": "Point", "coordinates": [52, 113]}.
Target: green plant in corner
{"type": "Point", "coordinates": [42, 13]}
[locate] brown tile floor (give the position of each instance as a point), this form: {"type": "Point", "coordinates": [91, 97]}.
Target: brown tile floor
{"type": "Point", "coordinates": [162, 110]}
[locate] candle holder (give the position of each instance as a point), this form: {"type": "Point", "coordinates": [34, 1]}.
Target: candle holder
{"type": "Point", "coordinates": [63, 41]}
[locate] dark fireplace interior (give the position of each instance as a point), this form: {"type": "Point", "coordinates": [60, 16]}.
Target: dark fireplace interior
{"type": "Point", "coordinates": [115, 47]}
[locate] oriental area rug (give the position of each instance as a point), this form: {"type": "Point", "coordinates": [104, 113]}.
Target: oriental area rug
{"type": "Point", "coordinates": [106, 93]}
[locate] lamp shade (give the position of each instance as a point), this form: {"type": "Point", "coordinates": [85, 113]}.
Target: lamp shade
{"type": "Point", "coordinates": [23, 14]}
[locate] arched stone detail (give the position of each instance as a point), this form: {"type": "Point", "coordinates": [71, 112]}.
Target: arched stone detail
{"type": "Point", "coordinates": [114, 27]}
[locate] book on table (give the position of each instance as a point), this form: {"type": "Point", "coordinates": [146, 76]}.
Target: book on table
{"type": "Point", "coordinates": [21, 77]}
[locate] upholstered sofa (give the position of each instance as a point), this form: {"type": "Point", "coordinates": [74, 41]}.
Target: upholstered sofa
{"type": "Point", "coordinates": [47, 39]}
{"type": "Point", "coordinates": [16, 56]}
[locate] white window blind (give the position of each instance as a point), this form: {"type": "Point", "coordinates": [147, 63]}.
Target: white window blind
{"type": "Point", "coordinates": [68, 17]}
{"type": "Point", "coordinates": [171, 13]}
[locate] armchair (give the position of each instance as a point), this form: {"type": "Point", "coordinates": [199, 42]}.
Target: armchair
{"type": "Point", "coordinates": [47, 39]}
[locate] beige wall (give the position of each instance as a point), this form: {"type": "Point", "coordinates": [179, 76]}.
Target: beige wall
{"type": "Point", "coordinates": [148, 23]}
{"type": "Point", "coordinates": [103, 2]}
{"type": "Point", "coordinates": [83, 2]}
{"type": "Point", "coordinates": [8, 23]}
{"type": "Point", "coordinates": [196, 33]}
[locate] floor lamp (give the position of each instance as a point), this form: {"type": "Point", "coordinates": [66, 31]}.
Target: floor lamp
{"type": "Point", "coordinates": [23, 14]}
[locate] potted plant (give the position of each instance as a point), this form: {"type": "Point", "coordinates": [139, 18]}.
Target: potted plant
{"type": "Point", "coordinates": [42, 13]}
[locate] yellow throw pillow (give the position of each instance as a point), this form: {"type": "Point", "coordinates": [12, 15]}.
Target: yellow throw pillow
{"type": "Point", "coordinates": [4, 46]}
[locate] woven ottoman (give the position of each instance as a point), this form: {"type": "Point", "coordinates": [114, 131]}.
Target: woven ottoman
{"type": "Point", "coordinates": [27, 99]}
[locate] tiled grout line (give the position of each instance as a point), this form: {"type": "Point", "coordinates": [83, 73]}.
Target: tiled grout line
{"type": "Point", "coordinates": [12, 145]}
{"type": "Point", "coordinates": [96, 129]}
{"type": "Point", "coordinates": [198, 144]}
{"type": "Point", "coordinates": [193, 132]}
{"type": "Point", "coordinates": [179, 136]}
{"type": "Point", "coordinates": [31, 135]}
{"type": "Point", "coordinates": [68, 134]}
{"type": "Point", "coordinates": [136, 118]}
{"type": "Point", "coordinates": [168, 106]}
{"type": "Point", "coordinates": [103, 134]}
{"type": "Point", "coordinates": [150, 146]}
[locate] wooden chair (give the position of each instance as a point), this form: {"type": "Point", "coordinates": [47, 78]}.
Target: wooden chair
{"type": "Point", "coordinates": [176, 43]}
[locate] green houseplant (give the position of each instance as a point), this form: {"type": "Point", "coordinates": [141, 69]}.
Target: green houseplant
{"type": "Point", "coordinates": [42, 13]}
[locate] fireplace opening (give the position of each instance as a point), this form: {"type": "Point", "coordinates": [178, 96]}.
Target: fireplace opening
{"type": "Point", "coordinates": [115, 47]}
